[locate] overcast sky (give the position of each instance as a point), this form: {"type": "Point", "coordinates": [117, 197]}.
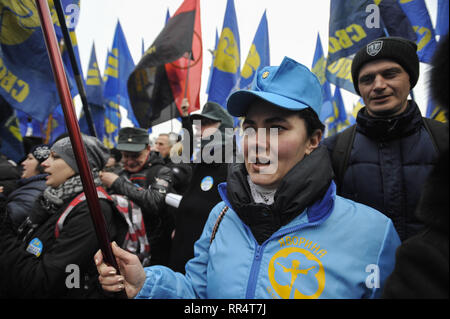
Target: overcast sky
{"type": "Point", "coordinates": [293, 27]}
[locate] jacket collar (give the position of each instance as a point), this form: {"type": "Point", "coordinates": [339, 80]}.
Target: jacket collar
{"type": "Point", "coordinates": [385, 129]}
{"type": "Point", "coordinates": [24, 181]}
{"type": "Point", "coordinates": [319, 211]}
{"type": "Point", "coordinates": [304, 186]}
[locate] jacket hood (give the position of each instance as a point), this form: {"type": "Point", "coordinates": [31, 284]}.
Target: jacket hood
{"type": "Point", "coordinates": [305, 184]}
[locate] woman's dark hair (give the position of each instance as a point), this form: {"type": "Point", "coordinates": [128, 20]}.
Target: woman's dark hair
{"type": "Point", "coordinates": [312, 121]}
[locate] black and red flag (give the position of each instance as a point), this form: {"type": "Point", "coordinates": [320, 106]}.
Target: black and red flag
{"type": "Point", "coordinates": [169, 70]}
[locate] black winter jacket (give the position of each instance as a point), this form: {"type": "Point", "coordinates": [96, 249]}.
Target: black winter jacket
{"type": "Point", "coordinates": [147, 188]}
{"type": "Point", "coordinates": [64, 267]}
{"type": "Point", "coordinates": [198, 200]}
{"type": "Point", "coordinates": [422, 263]}
{"type": "Point", "coordinates": [388, 165]}
{"type": "Point", "coordinates": [21, 200]}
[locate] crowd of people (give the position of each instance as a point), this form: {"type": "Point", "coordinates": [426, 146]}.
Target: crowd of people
{"type": "Point", "coordinates": [286, 214]}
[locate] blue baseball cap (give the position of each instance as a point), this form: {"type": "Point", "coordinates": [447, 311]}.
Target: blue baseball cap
{"type": "Point", "coordinates": [291, 86]}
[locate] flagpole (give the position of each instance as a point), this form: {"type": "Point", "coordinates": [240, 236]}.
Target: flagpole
{"type": "Point", "coordinates": [74, 132]}
{"type": "Point", "coordinates": [76, 70]}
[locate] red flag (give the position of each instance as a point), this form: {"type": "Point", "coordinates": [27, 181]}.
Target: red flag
{"type": "Point", "coordinates": [185, 74]}
{"type": "Point", "coordinates": [170, 69]}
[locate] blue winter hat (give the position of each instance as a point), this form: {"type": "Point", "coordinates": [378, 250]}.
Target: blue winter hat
{"type": "Point", "coordinates": [291, 86]}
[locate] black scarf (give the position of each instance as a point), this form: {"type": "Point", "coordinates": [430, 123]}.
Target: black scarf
{"type": "Point", "coordinates": [391, 128]}
{"type": "Point", "coordinates": [303, 185]}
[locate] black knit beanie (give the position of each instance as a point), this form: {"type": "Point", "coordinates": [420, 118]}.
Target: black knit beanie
{"type": "Point", "coordinates": [397, 49]}
{"type": "Point", "coordinates": [40, 152]}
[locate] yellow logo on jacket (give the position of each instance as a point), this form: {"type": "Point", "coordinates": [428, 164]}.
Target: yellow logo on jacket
{"type": "Point", "coordinates": [297, 272]}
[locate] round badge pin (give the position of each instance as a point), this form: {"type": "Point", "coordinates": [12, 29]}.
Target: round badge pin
{"type": "Point", "coordinates": [207, 183]}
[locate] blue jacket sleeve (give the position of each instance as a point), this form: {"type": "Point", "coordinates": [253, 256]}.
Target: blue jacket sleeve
{"type": "Point", "coordinates": [161, 282]}
{"type": "Point", "coordinates": [386, 258]}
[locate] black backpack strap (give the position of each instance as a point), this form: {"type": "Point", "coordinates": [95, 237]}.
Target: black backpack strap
{"type": "Point", "coordinates": [341, 153]}
{"type": "Point", "coordinates": [439, 134]}
{"type": "Point", "coordinates": [218, 221]}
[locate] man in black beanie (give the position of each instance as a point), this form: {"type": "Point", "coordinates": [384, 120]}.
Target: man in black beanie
{"type": "Point", "coordinates": [383, 160]}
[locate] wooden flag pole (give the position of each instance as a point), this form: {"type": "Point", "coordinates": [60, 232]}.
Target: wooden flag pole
{"type": "Point", "coordinates": [74, 133]}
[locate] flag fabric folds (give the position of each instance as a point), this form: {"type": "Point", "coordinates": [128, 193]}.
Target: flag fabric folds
{"type": "Point", "coordinates": [348, 32]}
{"type": "Point", "coordinates": [226, 67]}
{"type": "Point", "coordinates": [212, 61]}
{"type": "Point", "coordinates": [442, 18]}
{"type": "Point", "coordinates": [26, 78]}
{"type": "Point", "coordinates": [356, 107]}
{"type": "Point", "coordinates": [339, 120]}
{"type": "Point", "coordinates": [28, 125]}
{"type": "Point", "coordinates": [435, 112]}
{"type": "Point", "coordinates": [170, 69]}
{"type": "Point", "coordinates": [258, 55]}
{"type": "Point", "coordinates": [318, 68]}
{"type": "Point", "coordinates": [113, 117]}
{"type": "Point", "coordinates": [94, 94]}
{"type": "Point", "coordinates": [394, 20]}
{"type": "Point", "coordinates": [55, 125]}
{"type": "Point", "coordinates": [417, 13]}
{"type": "Point", "coordinates": [120, 64]}
{"type": "Point", "coordinates": [355, 23]}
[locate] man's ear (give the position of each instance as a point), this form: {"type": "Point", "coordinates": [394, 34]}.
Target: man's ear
{"type": "Point", "coordinates": [314, 141]}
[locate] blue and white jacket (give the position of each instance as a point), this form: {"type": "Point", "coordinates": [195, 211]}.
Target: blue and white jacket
{"type": "Point", "coordinates": [334, 248]}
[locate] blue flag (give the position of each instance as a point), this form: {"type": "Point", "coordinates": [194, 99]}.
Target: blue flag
{"type": "Point", "coordinates": [318, 68]}
{"type": "Point", "coordinates": [26, 77]}
{"type": "Point", "coordinates": [112, 124]}
{"type": "Point", "coordinates": [394, 21]}
{"type": "Point", "coordinates": [356, 107]}
{"type": "Point", "coordinates": [417, 13]}
{"type": "Point", "coordinates": [338, 121]}
{"type": "Point", "coordinates": [94, 94]}
{"type": "Point", "coordinates": [94, 81]}
{"type": "Point", "coordinates": [348, 32]}
{"type": "Point", "coordinates": [226, 67]}
{"type": "Point", "coordinates": [212, 62]}
{"type": "Point", "coordinates": [119, 67]}
{"type": "Point", "coordinates": [28, 125]}
{"type": "Point", "coordinates": [435, 112]}
{"type": "Point", "coordinates": [442, 18]}
{"type": "Point", "coordinates": [55, 125]}
{"type": "Point", "coordinates": [258, 56]}
{"type": "Point", "coordinates": [167, 15]}
{"type": "Point", "coordinates": [354, 24]}
{"type": "Point", "coordinates": [68, 65]}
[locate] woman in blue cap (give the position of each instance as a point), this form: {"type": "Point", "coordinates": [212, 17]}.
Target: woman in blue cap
{"type": "Point", "coordinates": [280, 231]}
